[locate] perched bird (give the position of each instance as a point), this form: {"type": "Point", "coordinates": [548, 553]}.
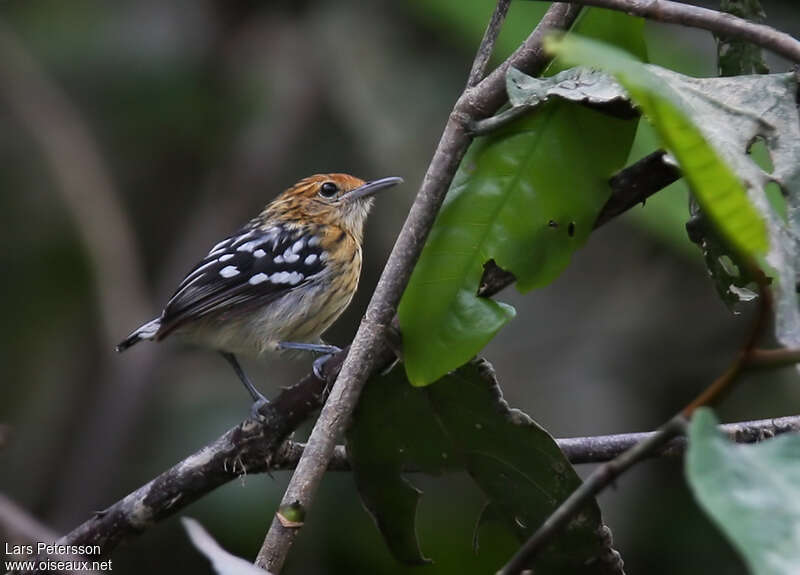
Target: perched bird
{"type": "Point", "coordinates": [280, 281]}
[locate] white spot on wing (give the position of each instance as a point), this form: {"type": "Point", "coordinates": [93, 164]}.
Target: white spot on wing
{"type": "Point", "coordinates": [259, 253]}
{"type": "Point", "coordinates": [289, 256]}
{"type": "Point", "coordinates": [258, 278]}
{"type": "Point", "coordinates": [252, 244]}
{"type": "Point", "coordinates": [225, 258]}
{"type": "Point", "coordinates": [298, 245]}
{"type": "Point", "coordinates": [295, 278]}
{"type": "Point", "coordinates": [229, 271]}
{"type": "Point", "coordinates": [278, 259]}
{"type": "Point", "coordinates": [310, 259]}
{"type": "Point", "coordinates": [314, 241]}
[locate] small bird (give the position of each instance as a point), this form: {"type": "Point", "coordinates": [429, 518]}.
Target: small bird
{"type": "Point", "coordinates": [280, 281]}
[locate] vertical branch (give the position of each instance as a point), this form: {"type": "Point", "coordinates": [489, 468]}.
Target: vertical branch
{"type": "Point", "coordinates": [488, 41]}
{"type": "Point", "coordinates": [479, 101]}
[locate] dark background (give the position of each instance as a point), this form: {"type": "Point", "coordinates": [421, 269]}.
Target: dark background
{"type": "Point", "coordinates": [134, 134]}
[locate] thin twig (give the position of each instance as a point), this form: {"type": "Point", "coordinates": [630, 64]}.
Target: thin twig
{"type": "Point", "coordinates": [719, 23]}
{"type": "Point", "coordinates": [479, 101]}
{"type": "Point", "coordinates": [592, 449]}
{"type": "Point", "coordinates": [596, 482]}
{"type": "Point", "coordinates": [772, 358]}
{"type": "Point", "coordinates": [636, 183]}
{"type": "Point", "coordinates": [256, 447]}
{"type": "Point", "coordinates": [486, 48]}
{"type": "Point", "coordinates": [605, 474]}
{"type": "Point", "coordinates": [629, 187]}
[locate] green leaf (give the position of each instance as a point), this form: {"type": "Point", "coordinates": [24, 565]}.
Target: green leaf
{"type": "Point", "coordinates": [716, 186]}
{"type": "Point", "coordinates": [709, 125]}
{"type": "Point", "coordinates": [732, 278]}
{"type": "Point", "coordinates": [752, 492]}
{"type": "Point", "coordinates": [526, 197]}
{"type": "Point", "coordinates": [462, 423]}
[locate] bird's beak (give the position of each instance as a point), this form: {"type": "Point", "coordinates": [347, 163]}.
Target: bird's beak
{"type": "Point", "coordinates": [371, 187]}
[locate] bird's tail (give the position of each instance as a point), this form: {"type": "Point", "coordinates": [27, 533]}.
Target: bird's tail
{"type": "Point", "coordinates": [147, 331]}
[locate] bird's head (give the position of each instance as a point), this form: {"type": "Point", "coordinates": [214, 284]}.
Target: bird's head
{"type": "Point", "coordinates": [337, 199]}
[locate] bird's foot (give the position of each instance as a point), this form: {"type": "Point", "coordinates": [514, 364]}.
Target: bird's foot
{"type": "Point", "coordinates": [255, 409]}
{"type": "Point", "coordinates": [318, 367]}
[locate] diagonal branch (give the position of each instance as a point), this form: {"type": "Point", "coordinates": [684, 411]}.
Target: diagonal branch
{"type": "Point", "coordinates": [629, 187]}
{"type": "Point", "coordinates": [486, 48]}
{"type": "Point", "coordinates": [250, 445]}
{"type": "Point", "coordinates": [605, 474]}
{"type": "Point", "coordinates": [370, 338]}
{"type": "Point", "coordinates": [719, 23]}
{"type": "Point", "coordinates": [255, 447]}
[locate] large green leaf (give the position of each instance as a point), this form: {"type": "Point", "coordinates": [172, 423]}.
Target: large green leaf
{"type": "Point", "coordinates": [716, 186]}
{"type": "Point", "coordinates": [709, 126]}
{"type": "Point", "coordinates": [527, 197]}
{"type": "Point", "coordinates": [752, 492]}
{"type": "Point", "coordinates": [462, 423]}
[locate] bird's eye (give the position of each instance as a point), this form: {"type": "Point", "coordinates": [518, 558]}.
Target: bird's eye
{"type": "Point", "coordinates": [328, 190]}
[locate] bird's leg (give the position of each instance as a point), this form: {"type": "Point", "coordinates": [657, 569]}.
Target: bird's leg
{"type": "Point", "coordinates": [312, 347]}
{"type": "Point", "coordinates": [325, 349]}
{"type": "Point", "coordinates": [258, 398]}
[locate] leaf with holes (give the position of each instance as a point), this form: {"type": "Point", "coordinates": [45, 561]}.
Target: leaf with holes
{"type": "Point", "coordinates": [461, 422]}
{"type": "Point", "coordinates": [526, 196]}
{"type": "Point", "coordinates": [709, 125]}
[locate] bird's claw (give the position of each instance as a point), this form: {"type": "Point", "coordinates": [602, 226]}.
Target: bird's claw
{"type": "Point", "coordinates": [255, 408]}
{"type": "Point", "coordinates": [318, 367]}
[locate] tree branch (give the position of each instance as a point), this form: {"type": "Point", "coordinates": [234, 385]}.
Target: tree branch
{"type": "Point", "coordinates": [256, 447]}
{"type": "Point", "coordinates": [634, 184]}
{"type": "Point", "coordinates": [596, 482]}
{"type": "Point", "coordinates": [486, 48]}
{"type": "Point", "coordinates": [720, 23]}
{"type": "Point", "coordinates": [248, 447]}
{"type": "Point", "coordinates": [171, 491]}
{"type": "Point", "coordinates": [478, 101]}
{"type": "Point", "coordinates": [629, 187]}
{"type": "Point", "coordinates": [605, 474]}
{"type": "Point", "coordinates": [592, 449]}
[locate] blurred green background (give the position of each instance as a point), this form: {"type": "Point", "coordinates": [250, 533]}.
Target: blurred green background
{"type": "Point", "coordinates": [133, 134]}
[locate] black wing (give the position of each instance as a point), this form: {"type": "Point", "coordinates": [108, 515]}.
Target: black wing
{"type": "Point", "coordinates": [251, 267]}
